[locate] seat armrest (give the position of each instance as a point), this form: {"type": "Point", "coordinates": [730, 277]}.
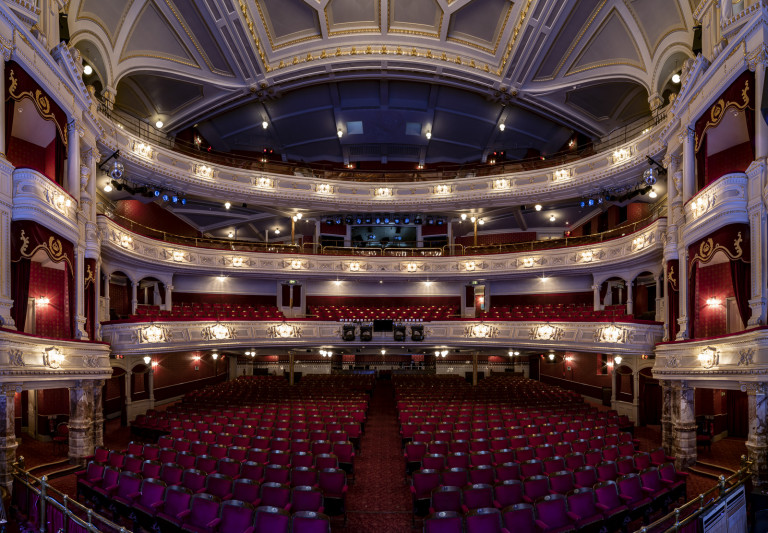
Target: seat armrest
{"type": "Point", "coordinates": [601, 506]}
{"type": "Point", "coordinates": [213, 523]}
{"type": "Point", "coordinates": [625, 497]}
{"type": "Point", "coordinates": [182, 515]}
{"type": "Point", "coordinates": [573, 516]}
{"type": "Point", "coordinates": [133, 495]}
{"type": "Point", "coordinates": [156, 505]}
{"type": "Point", "coordinates": [542, 525]}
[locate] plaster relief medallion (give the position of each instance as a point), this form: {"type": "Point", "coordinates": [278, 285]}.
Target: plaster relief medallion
{"type": "Point", "coordinates": [672, 361]}
{"type": "Point", "coordinates": [91, 361]}
{"type": "Point", "coordinates": [745, 357]}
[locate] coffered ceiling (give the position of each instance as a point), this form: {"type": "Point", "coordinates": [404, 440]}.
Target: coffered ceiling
{"type": "Point", "coordinates": [546, 68]}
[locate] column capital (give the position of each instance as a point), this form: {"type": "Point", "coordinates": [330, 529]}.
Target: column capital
{"type": "Point", "coordinates": [754, 388]}
{"type": "Point", "coordinates": [9, 389]}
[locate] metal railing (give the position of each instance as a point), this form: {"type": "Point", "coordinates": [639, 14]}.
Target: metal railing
{"type": "Point", "coordinates": [54, 511]}
{"type": "Point", "coordinates": [376, 249]}
{"type": "Point", "coordinates": [679, 518]}
{"type": "Point", "coordinates": [146, 131]}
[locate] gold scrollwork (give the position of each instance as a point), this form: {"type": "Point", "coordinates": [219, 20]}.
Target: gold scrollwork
{"type": "Point", "coordinates": [42, 103]}
{"type": "Point", "coordinates": [708, 248]}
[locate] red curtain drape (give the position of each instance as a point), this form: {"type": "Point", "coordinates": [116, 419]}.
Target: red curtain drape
{"type": "Point", "coordinates": [90, 297]}
{"type": "Point", "coordinates": [741, 280]}
{"type": "Point", "coordinates": [60, 154]}
{"type": "Point", "coordinates": [693, 311]}
{"type": "Point", "coordinates": [28, 238]}
{"type": "Point", "coordinates": [673, 313]}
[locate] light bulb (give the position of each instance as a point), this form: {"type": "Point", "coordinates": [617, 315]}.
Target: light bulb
{"type": "Point", "coordinates": [551, 218]}
{"type": "Point", "coordinates": [652, 194]}
{"type": "Point", "coordinates": [481, 221]}
{"type": "Point", "coordinates": [87, 70]}
{"type": "Point", "coordinates": [340, 134]}
{"type": "Point", "coordinates": [108, 187]}
{"type": "Point", "coordinates": [675, 78]}
{"type": "Point", "coordinates": [147, 359]}
{"type": "Point", "coordinates": [265, 124]}
{"type": "Point", "coordinates": [502, 127]}
{"type": "Point", "coordinates": [537, 207]}
{"type": "Point", "coordinates": [551, 357]}
{"type": "Point", "coordinates": [429, 135]}
{"type": "Point", "coordinates": [617, 360]}
{"type": "Point", "coordinates": [277, 231]}
{"type": "Point", "coordinates": [159, 124]}
{"type": "Point", "coordinates": [463, 216]}
{"type": "Point", "coordinates": [227, 205]}
{"type": "Point", "coordinates": [215, 355]}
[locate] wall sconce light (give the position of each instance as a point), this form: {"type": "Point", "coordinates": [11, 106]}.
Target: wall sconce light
{"type": "Point", "coordinates": [147, 359]}
{"type": "Point", "coordinates": [383, 351]}
{"type": "Point", "coordinates": [215, 355]}
{"type": "Point", "coordinates": [713, 302]}
{"type": "Point", "coordinates": [708, 357]}
{"type": "Point", "coordinates": [43, 300]}
{"type": "Point", "coordinates": [53, 358]}
{"type": "Point", "coordinates": [551, 357]}
{"type": "Point", "coordinates": [617, 360]}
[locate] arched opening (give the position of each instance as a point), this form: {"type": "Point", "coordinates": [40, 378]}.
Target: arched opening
{"type": "Point", "coordinates": [119, 296]}
{"type": "Point", "coordinates": [140, 382]}
{"type": "Point", "coordinates": [114, 397]}
{"type": "Point", "coordinates": [644, 296]}
{"type": "Point", "coordinates": [624, 384]}
{"type": "Point", "coordinates": [613, 294]}
{"type": "Point", "coordinates": [650, 398]}
{"type": "Point", "coordinates": [150, 293]}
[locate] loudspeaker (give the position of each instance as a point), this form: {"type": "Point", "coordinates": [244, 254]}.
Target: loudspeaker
{"type": "Point", "coordinates": [696, 45]}
{"type": "Point", "coordinates": [399, 333]}
{"type": "Point", "coordinates": [366, 333]}
{"type": "Point", "coordinates": [348, 332]}
{"type": "Point", "coordinates": [63, 28]}
{"type": "Point", "coordinates": [417, 333]}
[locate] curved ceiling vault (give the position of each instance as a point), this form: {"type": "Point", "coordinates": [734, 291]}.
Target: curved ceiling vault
{"type": "Point", "coordinates": [458, 67]}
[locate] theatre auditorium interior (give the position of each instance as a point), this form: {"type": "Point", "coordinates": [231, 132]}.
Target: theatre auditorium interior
{"type": "Point", "coordinates": [383, 266]}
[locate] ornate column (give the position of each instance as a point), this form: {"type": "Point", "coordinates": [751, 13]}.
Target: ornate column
{"type": "Point", "coordinates": [683, 425]}
{"type": "Point", "coordinates": [168, 302]}
{"type": "Point", "coordinates": [80, 421]}
{"type": "Point", "coordinates": [98, 413]}
{"type": "Point", "coordinates": [474, 369]}
{"type": "Point", "coordinates": [757, 63]}
{"type": "Point", "coordinates": [689, 163]}
{"type": "Point", "coordinates": [134, 297]}
{"type": "Point", "coordinates": [107, 277]}
{"type": "Point", "coordinates": [290, 368]}
{"type": "Point", "coordinates": [667, 439]}
{"type": "Point", "coordinates": [2, 111]}
{"type": "Point", "coordinates": [6, 203]}
{"type": "Point", "coordinates": [660, 311]}
{"type": "Point", "coordinates": [630, 298]}
{"type": "Point", "coordinates": [682, 283]}
{"type": "Point", "coordinates": [757, 441]}
{"type": "Point", "coordinates": [79, 295]}
{"type": "Point", "coordinates": [759, 249]}
{"type": "Point", "coordinates": [73, 160]}
{"type": "Point", "coordinates": [97, 298]}
{"type": "Point", "coordinates": [109, 95]}
{"type": "Point", "coordinates": [8, 442]}
{"type": "Point", "coordinates": [151, 385]}
{"type": "Point", "coordinates": [127, 377]}
{"type": "Point", "coordinates": [596, 296]}
{"type": "Point", "coordinates": [636, 394]}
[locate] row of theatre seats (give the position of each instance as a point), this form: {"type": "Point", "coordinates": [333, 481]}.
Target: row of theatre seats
{"type": "Point", "coordinates": [569, 312]}
{"type": "Point", "coordinates": [535, 458]}
{"type": "Point", "coordinates": [253, 460]}
{"type": "Point", "coordinates": [407, 312]}
{"type": "Point", "coordinates": [206, 311]}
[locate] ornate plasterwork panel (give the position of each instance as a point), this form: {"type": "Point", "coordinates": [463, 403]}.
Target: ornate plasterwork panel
{"type": "Point", "coordinates": [574, 335]}
{"type": "Point", "coordinates": [125, 248]}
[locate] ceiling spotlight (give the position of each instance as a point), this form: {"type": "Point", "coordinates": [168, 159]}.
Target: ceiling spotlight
{"type": "Point", "coordinates": [537, 207]}
{"type": "Point", "coordinates": [108, 187]}
{"type": "Point", "coordinates": [117, 170]}
{"type": "Point", "coordinates": [481, 221]}
{"type": "Point", "coordinates": [676, 77]}
{"type": "Point", "coordinates": [429, 135]}
{"type": "Point", "coordinates": [265, 124]}
{"type": "Point", "coordinates": [277, 231]}
{"type": "Point", "coordinates": [227, 205]}
{"type": "Point", "coordinates": [230, 234]}
{"type": "Point", "coordinates": [652, 194]}
{"type": "Point", "coordinates": [87, 70]}
{"type": "Point", "coordinates": [159, 124]}
{"type": "Point", "coordinates": [298, 216]}
{"type": "Point", "coordinates": [472, 219]}
{"type": "Point", "coordinates": [340, 134]}
{"type": "Point", "coordinates": [502, 126]}
{"type": "Point", "coordinates": [551, 218]}
{"type": "Point", "coordinates": [516, 353]}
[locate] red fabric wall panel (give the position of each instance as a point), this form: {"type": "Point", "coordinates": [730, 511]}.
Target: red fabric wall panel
{"type": "Point", "coordinates": [393, 301]}
{"type": "Point", "coordinates": [52, 320]}
{"type": "Point", "coordinates": [120, 298]}
{"type": "Point", "coordinates": [497, 238]}
{"type": "Point", "coordinates": [713, 281]}
{"type": "Point", "coordinates": [434, 229]}
{"type": "Point", "coordinates": [241, 299]}
{"type": "Point", "coordinates": [734, 159]}
{"type": "Point", "coordinates": [583, 371]}
{"type": "Point", "coordinates": [578, 298]}
{"type": "Point", "coordinates": [637, 211]}
{"type": "Point", "coordinates": [333, 229]}
{"type": "Point", "coordinates": [175, 373]}
{"type": "Point", "coordinates": [23, 154]}
{"type": "Point", "coordinates": [153, 216]}
{"type": "Point", "coordinates": [53, 402]}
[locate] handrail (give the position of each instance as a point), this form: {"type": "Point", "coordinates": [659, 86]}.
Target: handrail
{"type": "Point", "coordinates": [390, 251]}
{"type": "Point", "coordinates": [46, 493]}
{"type": "Point", "coordinates": [148, 132]}
{"type": "Point", "coordinates": [738, 479]}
